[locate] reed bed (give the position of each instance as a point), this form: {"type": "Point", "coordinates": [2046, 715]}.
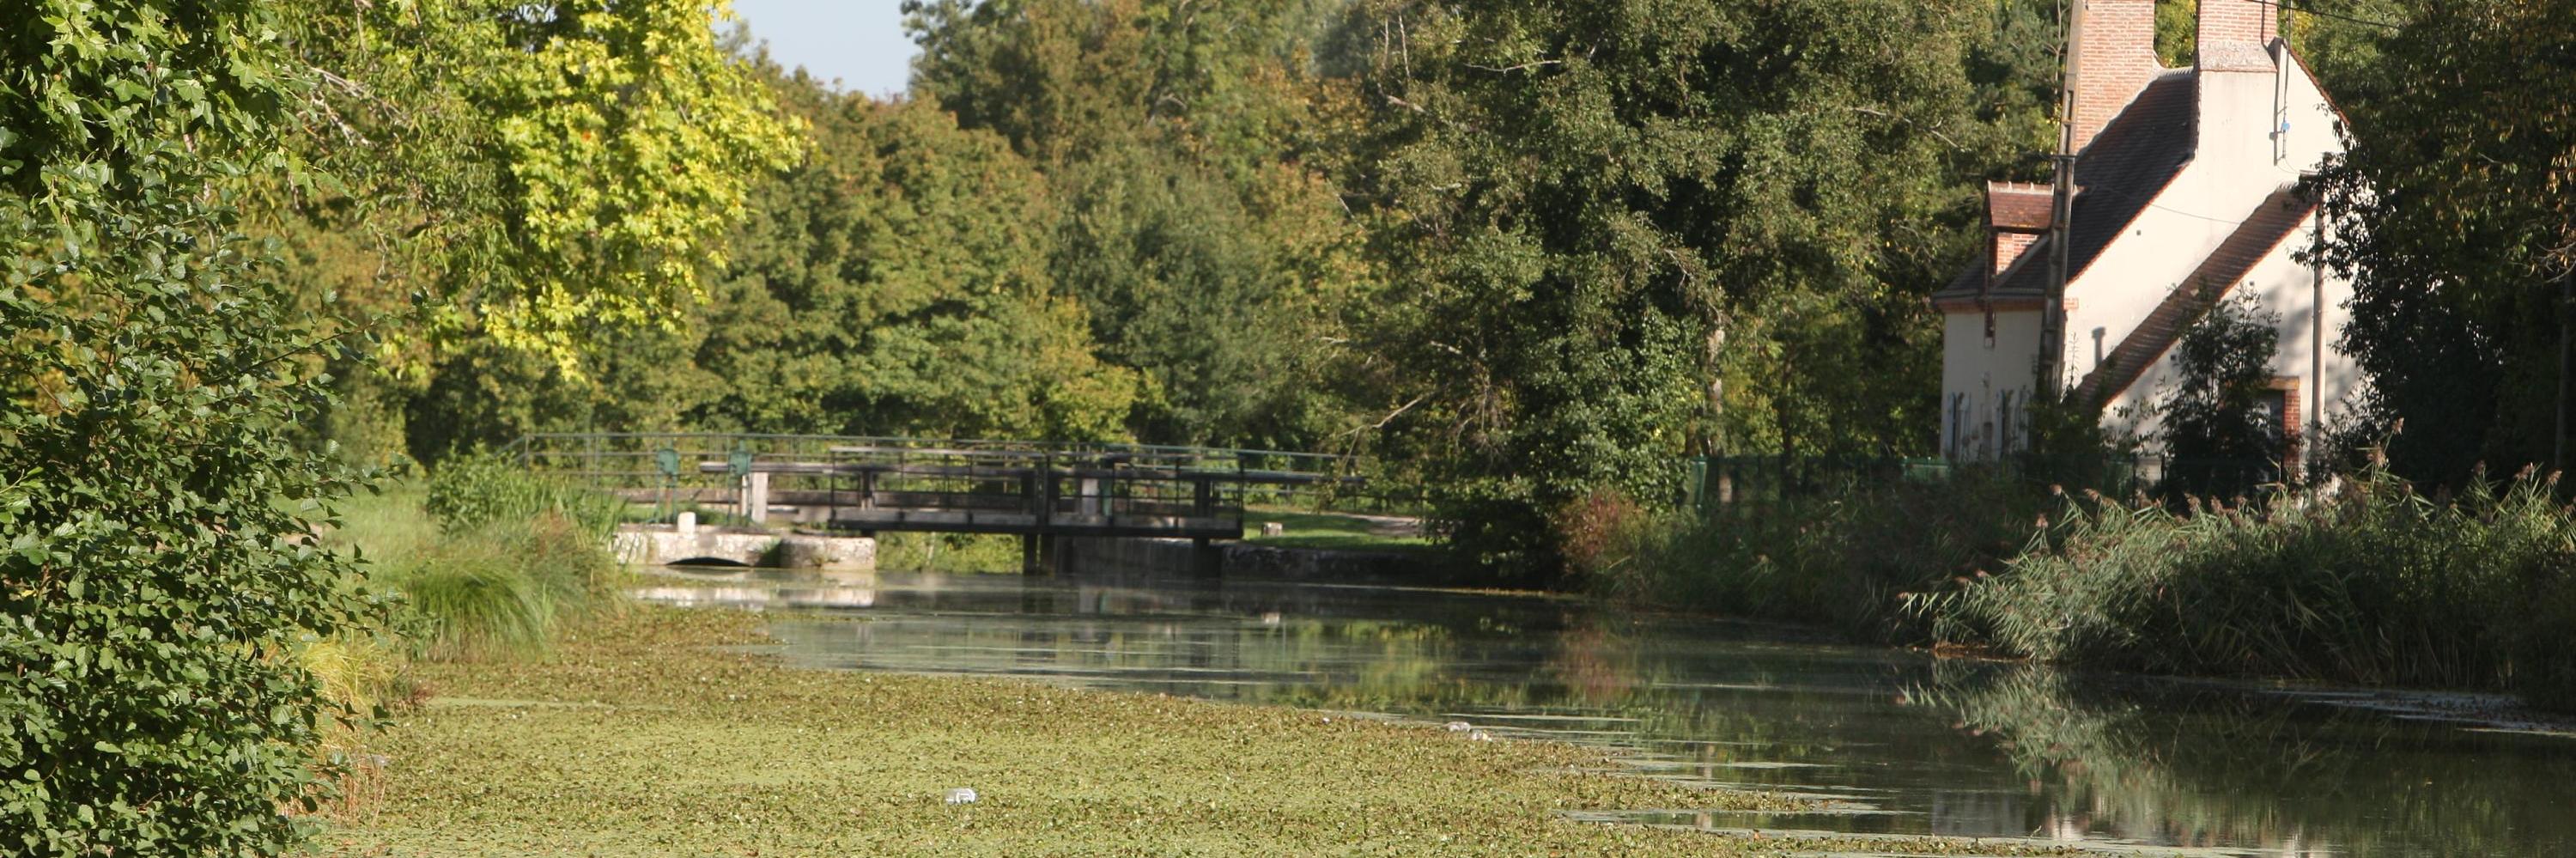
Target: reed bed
{"type": "Point", "coordinates": [2366, 581]}
{"type": "Point", "coordinates": [1840, 560]}
{"type": "Point", "coordinates": [485, 560]}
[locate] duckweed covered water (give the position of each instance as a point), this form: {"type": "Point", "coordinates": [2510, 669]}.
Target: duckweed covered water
{"type": "Point", "coordinates": [1894, 742]}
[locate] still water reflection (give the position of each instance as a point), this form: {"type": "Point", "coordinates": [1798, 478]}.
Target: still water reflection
{"type": "Point", "coordinates": [1890, 742]}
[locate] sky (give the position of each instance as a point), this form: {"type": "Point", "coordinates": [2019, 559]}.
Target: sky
{"type": "Point", "coordinates": [860, 42]}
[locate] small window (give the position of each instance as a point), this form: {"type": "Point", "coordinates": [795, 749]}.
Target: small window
{"type": "Point", "coordinates": [2276, 413]}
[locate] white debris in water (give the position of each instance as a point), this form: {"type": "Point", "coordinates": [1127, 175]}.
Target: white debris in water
{"type": "Point", "coordinates": [1460, 726]}
{"type": "Point", "coordinates": [962, 795]}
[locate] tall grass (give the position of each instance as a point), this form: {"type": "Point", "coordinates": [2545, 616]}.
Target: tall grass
{"type": "Point", "coordinates": [366, 678]}
{"type": "Point", "coordinates": [2371, 582]}
{"type": "Point", "coordinates": [488, 561]}
{"type": "Point", "coordinates": [1840, 560]}
{"type": "Point", "coordinates": [504, 564]}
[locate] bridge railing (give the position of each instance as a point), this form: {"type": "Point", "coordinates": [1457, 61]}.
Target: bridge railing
{"type": "Point", "coordinates": [1122, 480]}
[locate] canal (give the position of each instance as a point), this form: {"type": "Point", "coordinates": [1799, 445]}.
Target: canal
{"type": "Point", "coordinates": [1889, 741]}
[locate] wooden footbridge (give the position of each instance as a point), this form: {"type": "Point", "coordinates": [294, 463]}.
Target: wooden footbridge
{"type": "Point", "coordinates": [1039, 491]}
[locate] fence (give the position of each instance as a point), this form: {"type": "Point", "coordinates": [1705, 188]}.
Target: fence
{"type": "Point", "coordinates": [1712, 481]}
{"type": "Point", "coordinates": [679, 468]}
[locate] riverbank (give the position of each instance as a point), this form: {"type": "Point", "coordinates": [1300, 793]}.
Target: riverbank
{"type": "Point", "coordinates": [2366, 582]}
{"type": "Point", "coordinates": [654, 733]}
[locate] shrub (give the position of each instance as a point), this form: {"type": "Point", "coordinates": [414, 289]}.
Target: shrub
{"type": "Point", "coordinates": [470, 491]}
{"type": "Point", "coordinates": [2370, 583]}
{"type": "Point", "coordinates": [1840, 559]}
{"type": "Point", "coordinates": [1602, 532]}
{"type": "Point", "coordinates": [517, 556]}
{"type": "Point", "coordinates": [157, 577]}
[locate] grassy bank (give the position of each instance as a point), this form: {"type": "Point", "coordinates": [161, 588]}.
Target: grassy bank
{"type": "Point", "coordinates": [1335, 531]}
{"type": "Point", "coordinates": [2369, 582]}
{"type": "Point", "coordinates": [641, 736]}
{"type": "Point", "coordinates": [485, 561]}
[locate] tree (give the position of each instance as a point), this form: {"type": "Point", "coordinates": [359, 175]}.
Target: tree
{"type": "Point", "coordinates": [896, 282]}
{"type": "Point", "coordinates": [2215, 422]}
{"type": "Point", "coordinates": [2455, 213]}
{"type": "Point", "coordinates": [519, 192]}
{"type": "Point", "coordinates": [159, 573]}
{"type": "Point", "coordinates": [1186, 146]}
{"type": "Point", "coordinates": [1633, 228]}
{"type": "Point", "coordinates": [533, 173]}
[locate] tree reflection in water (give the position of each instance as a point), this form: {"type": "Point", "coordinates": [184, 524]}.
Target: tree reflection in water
{"type": "Point", "coordinates": [2211, 764]}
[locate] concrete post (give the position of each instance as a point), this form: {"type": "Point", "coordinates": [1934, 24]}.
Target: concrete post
{"type": "Point", "coordinates": [756, 498]}
{"type": "Point", "coordinates": [688, 524]}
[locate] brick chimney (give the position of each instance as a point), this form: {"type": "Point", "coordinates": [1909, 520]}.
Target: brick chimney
{"type": "Point", "coordinates": [2235, 35]}
{"type": "Point", "coordinates": [2114, 58]}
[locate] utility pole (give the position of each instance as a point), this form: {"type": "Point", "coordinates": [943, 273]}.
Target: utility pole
{"type": "Point", "coordinates": [2316, 386]}
{"type": "Point", "coordinates": [2052, 311]}
{"type": "Point", "coordinates": [2558, 439]}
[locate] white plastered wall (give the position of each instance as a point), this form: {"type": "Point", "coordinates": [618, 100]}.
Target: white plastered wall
{"type": "Point", "coordinates": [2237, 163]}
{"type": "Point", "coordinates": [2285, 288]}
{"type": "Point", "coordinates": [1975, 378]}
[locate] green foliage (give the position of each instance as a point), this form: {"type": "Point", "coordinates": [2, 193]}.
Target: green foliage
{"type": "Point", "coordinates": [1334, 531]}
{"type": "Point", "coordinates": [2373, 583]}
{"type": "Point", "coordinates": [2177, 33]}
{"type": "Point", "coordinates": [947, 552]}
{"type": "Point", "coordinates": [1186, 145]}
{"type": "Point", "coordinates": [502, 573]}
{"type": "Point", "coordinates": [1844, 559]}
{"type": "Point", "coordinates": [159, 576]}
{"type": "Point", "coordinates": [502, 589]}
{"type": "Point", "coordinates": [516, 559]}
{"type": "Point", "coordinates": [896, 283]}
{"type": "Point", "coordinates": [470, 492]}
{"type": "Point", "coordinates": [2452, 213]}
{"type": "Point", "coordinates": [1631, 230]}
{"type": "Point", "coordinates": [533, 173]}
{"type": "Point", "coordinates": [2223, 370]}
{"type": "Point", "coordinates": [2544, 663]}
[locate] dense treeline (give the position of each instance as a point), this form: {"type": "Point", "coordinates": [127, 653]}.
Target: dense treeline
{"type": "Point", "coordinates": [1522, 252]}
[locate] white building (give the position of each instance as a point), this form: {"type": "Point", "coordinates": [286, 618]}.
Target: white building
{"type": "Point", "coordinates": [2183, 177]}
